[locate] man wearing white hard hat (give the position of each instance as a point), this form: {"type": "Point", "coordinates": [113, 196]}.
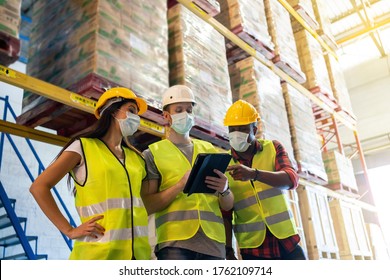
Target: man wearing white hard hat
{"type": "Point", "coordinates": [188, 227]}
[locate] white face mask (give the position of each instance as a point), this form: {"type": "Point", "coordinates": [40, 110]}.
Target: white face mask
{"type": "Point", "coordinates": [239, 141]}
{"type": "Point", "coordinates": [129, 125]}
{"type": "Point", "coordinates": [182, 122]}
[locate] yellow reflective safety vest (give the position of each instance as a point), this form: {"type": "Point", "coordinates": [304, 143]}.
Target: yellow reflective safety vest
{"type": "Point", "coordinates": [183, 217]}
{"type": "Point", "coordinates": [259, 206]}
{"type": "Point", "coordinates": [112, 189]}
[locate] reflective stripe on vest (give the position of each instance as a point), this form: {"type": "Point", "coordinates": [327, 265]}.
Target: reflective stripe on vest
{"type": "Point", "coordinates": [118, 234]}
{"type": "Point", "coordinates": [110, 188]}
{"type": "Point", "coordinates": [113, 203]}
{"type": "Point", "coordinates": [187, 213]}
{"type": "Point", "coordinates": [259, 205]}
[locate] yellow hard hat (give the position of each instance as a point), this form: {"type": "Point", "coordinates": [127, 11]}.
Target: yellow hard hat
{"type": "Point", "coordinates": [118, 94]}
{"type": "Point", "coordinates": [241, 113]}
{"type": "Point", "coordinates": [177, 94]}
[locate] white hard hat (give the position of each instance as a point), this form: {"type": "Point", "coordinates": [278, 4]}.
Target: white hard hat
{"type": "Point", "coordinates": [176, 94]}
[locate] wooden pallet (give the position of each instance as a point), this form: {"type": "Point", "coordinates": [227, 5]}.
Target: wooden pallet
{"type": "Point", "coordinates": [345, 190]}
{"type": "Point", "coordinates": [310, 176]}
{"type": "Point", "coordinates": [346, 114]}
{"type": "Point", "coordinates": [9, 49]}
{"type": "Point", "coordinates": [295, 73]}
{"type": "Point", "coordinates": [350, 229]}
{"type": "Point", "coordinates": [210, 7]}
{"type": "Point", "coordinates": [263, 49]}
{"type": "Point", "coordinates": [325, 96]}
{"type": "Point", "coordinates": [308, 18]}
{"type": "Point", "coordinates": [317, 223]}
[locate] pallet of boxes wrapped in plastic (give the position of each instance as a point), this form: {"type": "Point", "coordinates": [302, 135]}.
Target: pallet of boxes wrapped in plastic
{"type": "Point", "coordinates": [339, 88]}
{"type": "Point", "coordinates": [304, 8]}
{"type": "Point", "coordinates": [341, 177]}
{"type": "Point", "coordinates": [255, 83]}
{"type": "Point", "coordinates": [313, 65]}
{"type": "Point", "coordinates": [248, 21]}
{"type": "Point", "coordinates": [350, 229]}
{"type": "Point", "coordinates": [294, 204]}
{"type": "Point", "coordinates": [197, 58]}
{"type": "Point", "coordinates": [320, 8]}
{"type": "Point", "coordinates": [380, 250]}
{"type": "Point", "coordinates": [280, 30]}
{"type": "Point", "coordinates": [317, 223]}
{"type": "Point", "coordinates": [304, 137]}
{"type": "Point", "coordinates": [87, 46]}
{"type": "Point", "coordinates": [9, 31]}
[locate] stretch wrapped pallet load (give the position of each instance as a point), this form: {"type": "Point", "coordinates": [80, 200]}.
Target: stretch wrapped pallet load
{"type": "Point", "coordinates": [246, 18]}
{"type": "Point", "coordinates": [341, 177]}
{"type": "Point", "coordinates": [255, 83]}
{"type": "Point", "coordinates": [197, 58]}
{"type": "Point", "coordinates": [350, 229]}
{"type": "Point", "coordinates": [321, 13]}
{"type": "Point", "coordinates": [339, 87]}
{"type": "Point", "coordinates": [317, 223]}
{"type": "Point", "coordinates": [304, 8]}
{"type": "Point", "coordinates": [9, 31]}
{"type": "Point", "coordinates": [313, 65]}
{"type": "Point", "coordinates": [279, 27]}
{"type": "Point", "coordinates": [304, 137]}
{"type": "Point", "coordinates": [86, 46]}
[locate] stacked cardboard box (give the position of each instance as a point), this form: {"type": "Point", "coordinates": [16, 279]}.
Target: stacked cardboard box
{"type": "Point", "coordinates": [279, 27]}
{"type": "Point", "coordinates": [86, 46]}
{"type": "Point", "coordinates": [339, 86]}
{"type": "Point", "coordinates": [9, 31]}
{"type": "Point", "coordinates": [305, 9]}
{"type": "Point", "coordinates": [340, 172]}
{"type": "Point", "coordinates": [321, 14]}
{"type": "Point", "coordinates": [305, 141]}
{"type": "Point", "coordinates": [314, 66]}
{"type": "Point", "coordinates": [317, 223]}
{"type": "Point", "coordinates": [197, 58]}
{"type": "Point", "coordinates": [255, 83]}
{"type": "Point", "coordinates": [248, 21]}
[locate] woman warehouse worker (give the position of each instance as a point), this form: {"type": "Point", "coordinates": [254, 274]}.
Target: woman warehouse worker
{"type": "Point", "coordinates": [107, 175]}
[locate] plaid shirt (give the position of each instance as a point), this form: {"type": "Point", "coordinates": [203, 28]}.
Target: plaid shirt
{"type": "Point", "coordinates": [271, 245]}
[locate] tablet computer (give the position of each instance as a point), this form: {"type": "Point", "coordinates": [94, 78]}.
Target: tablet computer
{"type": "Point", "coordinates": [203, 166]}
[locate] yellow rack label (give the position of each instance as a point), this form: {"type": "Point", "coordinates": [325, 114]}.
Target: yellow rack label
{"type": "Point", "coordinates": [7, 72]}
{"type": "Point", "coordinates": [83, 100]}
{"type": "Point", "coordinates": [152, 125]}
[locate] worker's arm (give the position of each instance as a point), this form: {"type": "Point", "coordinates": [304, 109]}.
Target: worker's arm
{"type": "Point", "coordinates": [277, 179]}
{"type": "Point", "coordinates": [220, 184]}
{"type": "Point", "coordinates": [41, 190]}
{"type": "Point", "coordinates": [155, 200]}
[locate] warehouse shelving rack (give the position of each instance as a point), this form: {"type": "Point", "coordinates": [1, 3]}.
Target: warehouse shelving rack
{"type": "Point", "coordinates": [74, 100]}
{"type": "Point", "coordinates": [333, 120]}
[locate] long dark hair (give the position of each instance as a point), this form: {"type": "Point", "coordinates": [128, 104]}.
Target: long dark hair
{"type": "Point", "coordinates": [100, 129]}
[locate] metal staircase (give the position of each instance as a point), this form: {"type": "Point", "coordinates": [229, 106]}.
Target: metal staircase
{"type": "Point", "coordinates": [16, 233]}
{"type": "Point", "coordinates": [14, 241]}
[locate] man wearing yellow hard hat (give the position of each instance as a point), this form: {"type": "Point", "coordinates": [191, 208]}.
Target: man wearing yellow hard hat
{"type": "Point", "coordinates": [107, 175]}
{"type": "Point", "coordinates": [258, 174]}
{"type": "Point", "coordinates": [187, 227]}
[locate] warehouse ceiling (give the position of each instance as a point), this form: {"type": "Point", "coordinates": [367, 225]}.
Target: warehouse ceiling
{"type": "Point", "coordinates": [361, 28]}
